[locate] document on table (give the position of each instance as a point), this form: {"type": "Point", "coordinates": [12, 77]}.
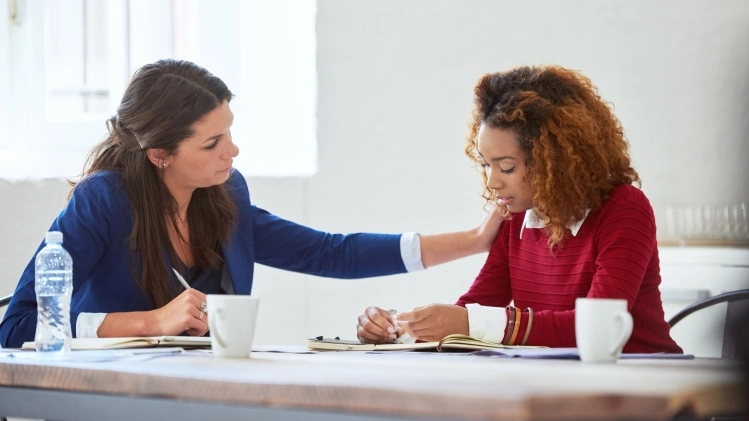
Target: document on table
{"type": "Point", "coordinates": [136, 342]}
{"type": "Point", "coordinates": [570, 354]}
{"type": "Point", "coordinates": [106, 355]}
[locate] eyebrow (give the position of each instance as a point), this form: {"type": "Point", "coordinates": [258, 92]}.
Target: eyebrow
{"type": "Point", "coordinates": [498, 158]}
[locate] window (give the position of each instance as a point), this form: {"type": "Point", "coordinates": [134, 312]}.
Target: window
{"type": "Point", "coordinates": [69, 61]}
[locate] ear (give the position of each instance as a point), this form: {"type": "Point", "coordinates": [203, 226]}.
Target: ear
{"type": "Point", "coordinates": [157, 157]}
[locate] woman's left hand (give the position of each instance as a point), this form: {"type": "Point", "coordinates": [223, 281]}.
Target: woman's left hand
{"type": "Point", "coordinates": [487, 231]}
{"type": "Point", "coordinates": [434, 322]}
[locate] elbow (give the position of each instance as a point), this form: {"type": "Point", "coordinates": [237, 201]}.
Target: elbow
{"type": "Point", "coordinates": [15, 330]}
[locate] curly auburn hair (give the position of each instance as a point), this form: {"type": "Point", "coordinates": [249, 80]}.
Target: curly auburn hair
{"type": "Point", "coordinates": [576, 149]}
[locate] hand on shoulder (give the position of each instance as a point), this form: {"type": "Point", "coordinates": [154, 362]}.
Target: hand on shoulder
{"type": "Point", "coordinates": [487, 231]}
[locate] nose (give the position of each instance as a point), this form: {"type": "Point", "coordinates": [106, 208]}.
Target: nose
{"type": "Point", "coordinates": [232, 150]}
{"type": "Point", "coordinates": [494, 180]}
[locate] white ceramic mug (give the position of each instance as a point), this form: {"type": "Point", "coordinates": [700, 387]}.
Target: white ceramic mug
{"type": "Point", "coordinates": [602, 327]}
{"type": "Point", "coordinates": [231, 319]}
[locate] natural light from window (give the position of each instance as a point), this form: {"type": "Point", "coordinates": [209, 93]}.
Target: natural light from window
{"type": "Point", "coordinates": [72, 60]}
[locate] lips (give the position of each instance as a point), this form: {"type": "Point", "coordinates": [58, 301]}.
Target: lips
{"type": "Point", "coordinates": [504, 201]}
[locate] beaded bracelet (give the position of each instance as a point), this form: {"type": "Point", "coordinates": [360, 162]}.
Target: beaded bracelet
{"type": "Point", "coordinates": [528, 327]}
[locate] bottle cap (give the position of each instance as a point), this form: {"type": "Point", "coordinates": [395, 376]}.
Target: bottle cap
{"type": "Point", "coordinates": [53, 237]}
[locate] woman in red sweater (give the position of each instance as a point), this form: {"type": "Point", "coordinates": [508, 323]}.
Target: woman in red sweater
{"type": "Point", "coordinates": [555, 158]}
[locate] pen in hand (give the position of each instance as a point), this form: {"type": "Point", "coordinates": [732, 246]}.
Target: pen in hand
{"type": "Point", "coordinates": [181, 279]}
{"type": "Point", "coordinates": [203, 305]}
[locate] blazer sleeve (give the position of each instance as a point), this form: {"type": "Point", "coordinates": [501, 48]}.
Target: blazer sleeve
{"type": "Point", "coordinates": [283, 244]}
{"type": "Point", "coordinates": [85, 224]}
{"type": "Point", "coordinates": [286, 245]}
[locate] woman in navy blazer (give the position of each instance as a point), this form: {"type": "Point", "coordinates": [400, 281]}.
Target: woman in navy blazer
{"type": "Point", "coordinates": [165, 171]}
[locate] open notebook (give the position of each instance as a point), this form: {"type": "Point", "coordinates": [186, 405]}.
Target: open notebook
{"type": "Point", "coordinates": [449, 342]}
{"type": "Point", "coordinates": [136, 342]}
{"type": "Point", "coordinates": [462, 342]}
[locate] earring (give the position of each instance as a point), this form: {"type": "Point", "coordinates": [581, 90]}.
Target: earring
{"type": "Point", "coordinates": [163, 165]}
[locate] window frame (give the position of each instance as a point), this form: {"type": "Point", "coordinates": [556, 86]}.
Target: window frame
{"type": "Point", "coordinates": [33, 146]}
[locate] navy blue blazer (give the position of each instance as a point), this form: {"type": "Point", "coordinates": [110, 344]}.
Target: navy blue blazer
{"type": "Point", "coordinates": [98, 220]}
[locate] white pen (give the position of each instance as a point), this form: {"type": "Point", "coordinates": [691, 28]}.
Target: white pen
{"type": "Point", "coordinates": [181, 279]}
{"type": "Point", "coordinates": [203, 305]}
{"type": "Point", "coordinates": [394, 317]}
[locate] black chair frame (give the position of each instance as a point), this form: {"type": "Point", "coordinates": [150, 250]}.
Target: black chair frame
{"type": "Point", "coordinates": [739, 295]}
{"type": "Point", "coordinates": [738, 306]}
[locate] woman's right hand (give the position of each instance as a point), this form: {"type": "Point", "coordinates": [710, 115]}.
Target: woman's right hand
{"type": "Point", "coordinates": [375, 326]}
{"type": "Point", "coordinates": [182, 314]}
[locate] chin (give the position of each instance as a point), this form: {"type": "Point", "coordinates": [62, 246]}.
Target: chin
{"type": "Point", "coordinates": [215, 181]}
{"type": "Point", "coordinates": [224, 177]}
{"type": "Point", "coordinates": [517, 209]}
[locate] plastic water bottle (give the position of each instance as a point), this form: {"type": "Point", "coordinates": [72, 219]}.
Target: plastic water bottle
{"type": "Point", "coordinates": [54, 288]}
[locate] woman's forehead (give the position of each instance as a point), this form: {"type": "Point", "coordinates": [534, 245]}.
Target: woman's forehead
{"type": "Point", "coordinates": [498, 143]}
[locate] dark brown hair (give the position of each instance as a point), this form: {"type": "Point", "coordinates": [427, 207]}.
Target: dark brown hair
{"type": "Point", "coordinates": [159, 107]}
{"type": "Point", "coordinates": [576, 149]}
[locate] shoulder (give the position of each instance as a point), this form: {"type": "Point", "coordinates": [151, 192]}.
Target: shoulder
{"type": "Point", "coordinates": [627, 195]}
{"type": "Point", "coordinates": [236, 180]}
{"type": "Point", "coordinates": [514, 222]}
{"type": "Point", "coordinates": [510, 228]}
{"type": "Point", "coordinates": [628, 205]}
{"type": "Point", "coordinates": [236, 187]}
{"type": "Point", "coordinates": [102, 179]}
{"type": "Point", "coordinates": [101, 183]}
{"type": "Point", "coordinates": [106, 188]}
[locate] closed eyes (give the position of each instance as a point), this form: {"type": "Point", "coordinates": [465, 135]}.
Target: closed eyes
{"type": "Point", "coordinates": [486, 167]}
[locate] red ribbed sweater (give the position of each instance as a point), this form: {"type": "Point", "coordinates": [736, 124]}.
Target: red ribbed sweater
{"type": "Point", "coordinates": [613, 255]}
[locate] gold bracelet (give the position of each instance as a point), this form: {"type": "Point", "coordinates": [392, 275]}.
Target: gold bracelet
{"type": "Point", "coordinates": [515, 328]}
{"type": "Point", "coordinates": [530, 324]}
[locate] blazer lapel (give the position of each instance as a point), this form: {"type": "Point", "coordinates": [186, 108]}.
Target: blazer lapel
{"type": "Point", "coordinates": [239, 258]}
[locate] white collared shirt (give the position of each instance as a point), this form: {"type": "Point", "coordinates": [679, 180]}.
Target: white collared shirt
{"type": "Point", "coordinates": [532, 220]}
{"type": "Point", "coordinates": [488, 323]}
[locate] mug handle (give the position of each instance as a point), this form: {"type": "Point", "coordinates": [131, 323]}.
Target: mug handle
{"type": "Point", "coordinates": [214, 331]}
{"type": "Point", "coordinates": [626, 319]}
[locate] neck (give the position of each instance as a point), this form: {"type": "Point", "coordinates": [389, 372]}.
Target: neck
{"type": "Point", "coordinates": [183, 202]}
{"type": "Point", "coordinates": [182, 196]}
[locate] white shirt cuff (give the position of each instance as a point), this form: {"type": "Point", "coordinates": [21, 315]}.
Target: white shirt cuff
{"type": "Point", "coordinates": [411, 252]}
{"type": "Point", "coordinates": [486, 323]}
{"type": "Point", "coordinates": [88, 324]}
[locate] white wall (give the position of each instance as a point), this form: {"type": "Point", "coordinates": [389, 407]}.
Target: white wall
{"type": "Point", "coordinates": [395, 85]}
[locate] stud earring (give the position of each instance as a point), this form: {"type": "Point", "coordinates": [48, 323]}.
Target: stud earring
{"type": "Point", "coordinates": [163, 165]}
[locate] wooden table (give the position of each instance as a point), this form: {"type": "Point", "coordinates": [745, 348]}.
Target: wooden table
{"type": "Point", "coordinates": [359, 386]}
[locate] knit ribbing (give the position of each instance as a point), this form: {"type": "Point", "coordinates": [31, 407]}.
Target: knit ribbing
{"type": "Point", "coordinates": [614, 255]}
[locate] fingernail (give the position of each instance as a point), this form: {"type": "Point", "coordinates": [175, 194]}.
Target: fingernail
{"type": "Point", "coordinates": [391, 330]}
